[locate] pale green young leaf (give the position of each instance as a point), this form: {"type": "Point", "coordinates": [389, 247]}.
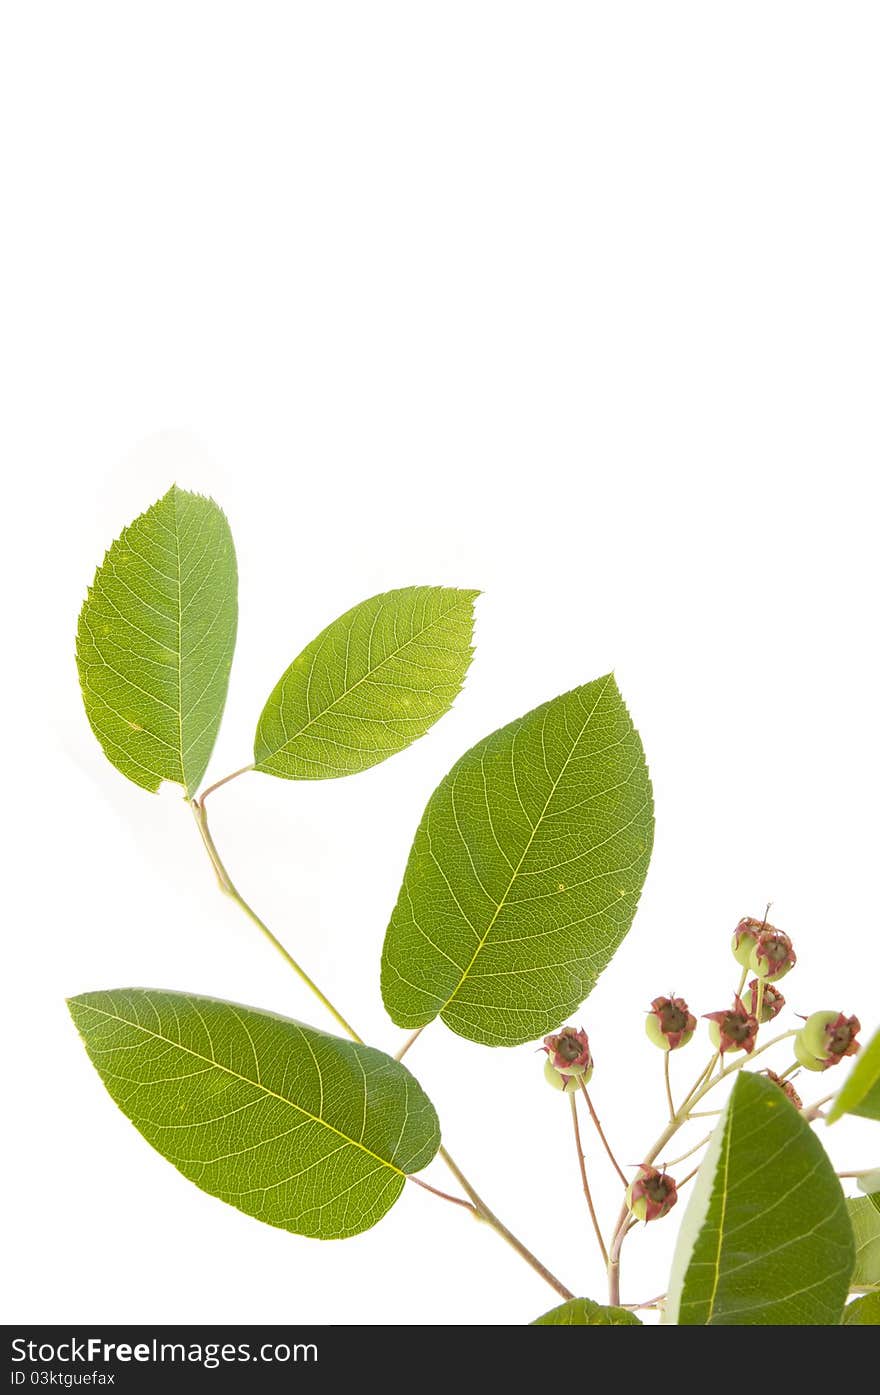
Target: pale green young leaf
{"type": "Point", "coordinates": [583, 1312]}
{"type": "Point", "coordinates": [865, 1220]}
{"type": "Point", "coordinates": [870, 1182]}
{"type": "Point", "coordinates": [300, 1129]}
{"type": "Point", "coordinates": [370, 683]}
{"type": "Point", "coordinates": [864, 1312]}
{"type": "Point", "coordinates": [155, 640]}
{"type": "Point", "coordinates": [860, 1092]}
{"type": "Point", "coordinates": [525, 873]}
{"type": "Point", "coordinates": [766, 1239]}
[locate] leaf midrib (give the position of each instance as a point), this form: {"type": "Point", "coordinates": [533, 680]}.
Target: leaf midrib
{"type": "Point", "coordinates": [515, 873]}
{"type": "Point", "coordinates": [289, 740]}
{"type": "Point", "coordinates": [197, 1055]}
{"type": "Point", "coordinates": [179, 644]}
{"type": "Point", "coordinates": [725, 1174]}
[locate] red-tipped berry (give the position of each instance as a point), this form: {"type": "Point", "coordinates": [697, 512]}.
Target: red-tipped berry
{"type": "Point", "coordinates": [670, 1023]}
{"type": "Point", "coordinates": [568, 1052]}
{"type": "Point", "coordinates": [771, 1005]}
{"type": "Point", "coordinates": [734, 1029]}
{"type": "Point", "coordinates": [825, 1038]}
{"type": "Point", "coordinates": [651, 1195]}
{"type": "Point", "coordinates": [772, 955]}
{"type": "Point", "coordinates": [786, 1087]}
{"type": "Point", "coordinates": [744, 937]}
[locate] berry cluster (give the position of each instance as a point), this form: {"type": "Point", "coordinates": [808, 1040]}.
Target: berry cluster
{"type": "Point", "coordinates": [761, 949]}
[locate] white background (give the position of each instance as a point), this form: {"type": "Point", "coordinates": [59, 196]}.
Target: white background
{"type": "Point", "coordinates": [574, 303]}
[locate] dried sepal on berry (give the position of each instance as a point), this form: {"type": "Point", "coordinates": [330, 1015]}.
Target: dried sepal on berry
{"type": "Point", "coordinates": [786, 1087]}
{"type": "Point", "coordinates": [744, 937]}
{"type": "Point", "coordinates": [734, 1029]}
{"type": "Point", "coordinates": [651, 1194]}
{"type": "Point", "coordinates": [825, 1039]}
{"type": "Point", "coordinates": [670, 1023]}
{"type": "Point", "coordinates": [568, 1051]}
{"type": "Point", "coordinates": [772, 955]}
{"type": "Point", "coordinates": [772, 1002]}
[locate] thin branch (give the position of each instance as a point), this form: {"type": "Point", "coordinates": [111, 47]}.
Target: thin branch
{"type": "Point", "coordinates": [666, 1055]}
{"type": "Point", "coordinates": [456, 1200]}
{"type": "Point", "coordinates": [689, 1152]}
{"type": "Point", "coordinates": [399, 1055]}
{"type": "Point", "coordinates": [489, 1216]}
{"type": "Point", "coordinates": [483, 1211]}
{"type": "Point", "coordinates": [595, 1118]}
{"type": "Point", "coordinates": [814, 1111]}
{"type": "Point", "coordinates": [572, 1099]}
{"type": "Point", "coordinates": [225, 781]}
{"type": "Point", "coordinates": [226, 885]}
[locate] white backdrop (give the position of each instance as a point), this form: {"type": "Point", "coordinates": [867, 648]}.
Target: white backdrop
{"type": "Point", "coordinates": [577, 304]}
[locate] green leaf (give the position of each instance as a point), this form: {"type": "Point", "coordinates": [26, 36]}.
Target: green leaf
{"type": "Point", "coordinates": [293, 1126]}
{"type": "Point", "coordinates": [864, 1217]}
{"type": "Point", "coordinates": [860, 1092]}
{"type": "Point", "coordinates": [583, 1312]}
{"type": "Point", "coordinates": [870, 1182]}
{"type": "Point", "coordinates": [370, 684]}
{"type": "Point", "coordinates": [766, 1239]}
{"type": "Point", "coordinates": [864, 1312]}
{"type": "Point", "coordinates": [525, 873]}
{"type": "Point", "coordinates": [155, 640]}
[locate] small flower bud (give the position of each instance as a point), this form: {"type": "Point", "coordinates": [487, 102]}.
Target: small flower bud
{"type": "Point", "coordinates": [827, 1037]}
{"type": "Point", "coordinates": [568, 1083]}
{"type": "Point", "coordinates": [670, 1023]}
{"type": "Point", "coordinates": [786, 1087]}
{"type": "Point", "coordinates": [733, 1030]}
{"type": "Point", "coordinates": [651, 1195]}
{"type": "Point", "coordinates": [744, 937]}
{"type": "Point", "coordinates": [568, 1052]}
{"type": "Point", "coordinates": [772, 1004]}
{"type": "Point", "coordinates": [772, 955]}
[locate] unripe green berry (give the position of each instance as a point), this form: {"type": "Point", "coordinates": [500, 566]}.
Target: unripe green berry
{"type": "Point", "coordinates": [651, 1195]}
{"type": "Point", "coordinates": [772, 955]}
{"type": "Point", "coordinates": [715, 1038]}
{"type": "Point", "coordinates": [829, 1036]}
{"type": "Point", "coordinates": [567, 1083]}
{"type": "Point", "coordinates": [670, 1023]}
{"type": "Point", "coordinates": [813, 1033]}
{"type": "Point", "coordinates": [744, 937]}
{"type": "Point", "coordinates": [806, 1058]}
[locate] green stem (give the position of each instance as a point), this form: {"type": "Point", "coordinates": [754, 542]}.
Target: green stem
{"type": "Point", "coordinates": [229, 889]}
{"type": "Point", "coordinates": [227, 886]}
{"type": "Point", "coordinates": [666, 1055]}
{"type": "Point", "coordinates": [572, 1099]}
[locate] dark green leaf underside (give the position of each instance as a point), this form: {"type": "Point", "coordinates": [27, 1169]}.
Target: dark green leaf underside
{"type": "Point", "coordinates": [525, 873]}
{"type": "Point", "coordinates": [290, 1125]}
{"type": "Point", "coordinates": [371, 683]}
{"type": "Point", "coordinates": [766, 1239]}
{"type": "Point", "coordinates": [155, 640]}
{"type": "Point", "coordinates": [860, 1092]}
{"type": "Point", "coordinates": [582, 1312]}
